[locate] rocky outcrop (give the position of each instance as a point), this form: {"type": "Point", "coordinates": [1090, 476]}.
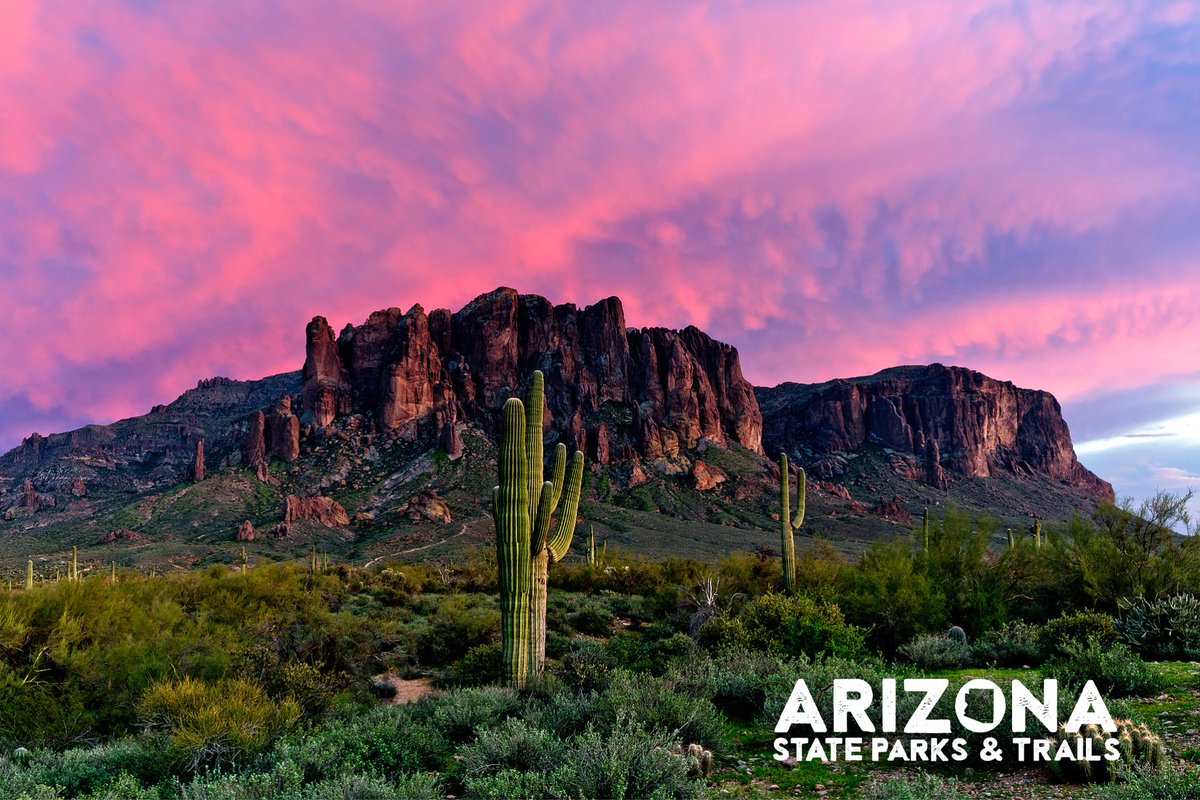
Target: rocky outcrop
{"type": "Point", "coordinates": [78, 487]}
{"type": "Point", "coordinates": [613, 391]}
{"type": "Point", "coordinates": [283, 432]}
{"type": "Point", "coordinates": [955, 421]}
{"type": "Point", "coordinates": [706, 476]}
{"type": "Point", "coordinates": [122, 535]}
{"type": "Point", "coordinates": [326, 390]}
{"type": "Point", "coordinates": [198, 461]}
{"type": "Point", "coordinates": [426, 505]}
{"type": "Point", "coordinates": [245, 532]}
{"type": "Point", "coordinates": [155, 450]}
{"type": "Point", "coordinates": [323, 510]}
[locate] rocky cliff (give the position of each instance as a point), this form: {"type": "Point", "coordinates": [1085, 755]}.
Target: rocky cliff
{"type": "Point", "coordinates": [950, 419]}
{"type": "Point", "coordinates": [611, 391]}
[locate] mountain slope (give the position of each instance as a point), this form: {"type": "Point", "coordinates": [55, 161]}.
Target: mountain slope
{"type": "Point", "coordinates": [390, 425]}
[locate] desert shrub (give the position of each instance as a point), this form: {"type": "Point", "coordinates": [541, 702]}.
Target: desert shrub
{"type": "Point", "coordinates": [586, 664]}
{"type": "Point", "coordinates": [592, 618]}
{"type": "Point", "coordinates": [283, 781]}
{"type": "Point", "coordinates": [86, 769]}
{"type": "Point", "coordinates": [784, 625]}
{"type": "Point", "coordinates": [1169, 783]}
{"type": "Point", "coordinates": [651, 652]}
{"type": "Point", "coordinates": [381, 741]}
{"type": "Point", "coordinates": [1166, 628]}
{"type": "Point", "coordinates": [211, 724]}
{"type": "Point", "coordinates": [505, 785]}
{"type": "Point", "coordinates": [418, 786]}
{"type": "Point", "coordinates": [460, 714]}
{"type": "Point", "coordinates": [659, 705]}
{"type": "Point", "coordinates": [937, 651]}
{"type": "Point", "coordinates": [1117, 670]}
{"type": "Point", "coordinates": [627, 761]}
{"type": "Point", "coordinates": [514, 745]}
{"type": "Point", "coordinates": [1016, 644]}
{"type": "Point", "coordinates": [1071, 631]}
{"type": "Point", "coordinates": [921, 786]}
{"type": "Point", "coordinates": [481, 666]}
{"type": "Point", "coordinates": [459, 623]}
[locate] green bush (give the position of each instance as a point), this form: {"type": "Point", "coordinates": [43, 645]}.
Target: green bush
{"type": "Point", "coordinates": [937, 651]}
{"type": "Point", "coordinates": [1180, 783]}
{"type": "Point", "coordinates": [1016, 644]}
{"type": "Point", "coordinates": [460, 714]}
{"type": "Point", "coordinates": [481, 666]}
{"type": "Point", "coordinates": [626, 762]}
{"type": "Point", "coordinates": [213, 724]}
{"type": "Point", "coordinates": [920, 786]}
{"type": "Point", "coordinates": [514, 745]}
{"type": "Point", "coordinates": [785, 625]}
{"type": "Point", "coordinates": [1117, 671]}
{"type": "Point", "coordinates": [1067, 633]}
{"type": "Point", "coordinates": [381, 741]}
{"type": "Point", "coordinates": [1167, 628]}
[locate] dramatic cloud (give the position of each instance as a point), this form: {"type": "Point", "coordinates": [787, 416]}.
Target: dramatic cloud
{"type": "Point", "coordinates": [833, 187]}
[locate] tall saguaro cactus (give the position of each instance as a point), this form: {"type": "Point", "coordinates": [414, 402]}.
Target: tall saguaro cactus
{"type": "Point", "coordinates": [524, 506]}
{"type": "Point", "coordinates": [787, 523]}
{"type": "Point", "coordinates": [29, 574]}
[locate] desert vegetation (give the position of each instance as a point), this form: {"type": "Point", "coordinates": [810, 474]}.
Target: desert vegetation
{"type": "Point", "coordinates": [663, 678]}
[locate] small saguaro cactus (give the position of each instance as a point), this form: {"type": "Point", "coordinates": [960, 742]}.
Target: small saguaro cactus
{"type": "Point", "coordinates": [925, 528]}
{"type": "Point", "coordinates": [113, 573]}
{"type": "Point", "coordinates": [591, 551]}
{"type": "Point", "coordinates": [1037, 533]}
{"type": "Point", "coordinates": [957, 635]}
{"type": "Point", "coordinates": [244, 559]}
{"type": "Point", "coordinates": [789, 524]}
{"type": "Point", "coordinates": [1012, 540]}
{"type": "Point", "coordinates": [523, 506]}
{"type": "Point", "coordinates": [29, 574]}
{"type": "Point", "coordinates": [74, 563]}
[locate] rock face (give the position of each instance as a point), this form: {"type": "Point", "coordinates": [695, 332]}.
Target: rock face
{"type": "Point", "coordinates": [613, 391]}
{"type": "Point", "coordinates": [426, 505]}
{"type": "Point", "coordinates": [324, 510]}
{"type": "Point", "coordinates": [706, 476]}
{"type": "Point", "coordinates": [245, 532]}
{"type": "Point", "coordinates": [154, 450]}
{"type": "Point", "coordinates": [953, 420]}
{"type": "Point", "coordinates": [198, 462]}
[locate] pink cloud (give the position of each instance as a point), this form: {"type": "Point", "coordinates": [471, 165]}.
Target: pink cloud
{"type": "Point", "coordinates": [834, 186]}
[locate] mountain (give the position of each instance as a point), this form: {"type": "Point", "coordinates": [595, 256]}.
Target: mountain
{"type": "Point", "coordinates": [383, 444]}
{"type": "Point", "coordinates": [936, 419]}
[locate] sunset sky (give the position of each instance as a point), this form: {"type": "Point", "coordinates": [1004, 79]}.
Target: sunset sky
{"type": "Point", "coordinates": [833, 187]}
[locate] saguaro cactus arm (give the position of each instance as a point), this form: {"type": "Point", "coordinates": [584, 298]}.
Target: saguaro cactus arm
{"type": "Point", "coordinates": [560, 542]}
{"type": "Point", "coordinates": [801, 497]}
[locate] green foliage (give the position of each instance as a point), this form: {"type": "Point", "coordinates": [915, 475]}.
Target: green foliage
{"type": "Point", "coordinates": [481, 666]}
{"type": "Point", "coordinates": [1166, 628]}
{"type": "Point", "coordinates": [1016, 644]}
{"type": "Point", "coordinates": [1179, 783]}
{"type": "Point", "coordinates": [1117, 671]}
{"type": "Point", "coordinates": [784, 625]}
{"type": "Point", "coordinates": [930, 651]}
{"type": "Point", "coordinates": [210, 725]}
{"type": "Point", "coordinates": [921, 786]}
{"type": "Point", "coordinates": [1070, 632]}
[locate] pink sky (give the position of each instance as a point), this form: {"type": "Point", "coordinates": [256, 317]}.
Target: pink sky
{"type": "Point", "coordinates": [833, 187]}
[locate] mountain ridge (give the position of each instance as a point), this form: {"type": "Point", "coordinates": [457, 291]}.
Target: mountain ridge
{"type": "Point", "coordinates": [666, 419]}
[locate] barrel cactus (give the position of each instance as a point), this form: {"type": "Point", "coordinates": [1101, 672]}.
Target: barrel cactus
{"type": "Point", "coordinates": [957, 635]}
{"type": "Point", "coordinates": [789, 524]}
{"type": "Point", "coordinates": [523, 505]}
{"type": "Point", "coordinates": [1137, 745]}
